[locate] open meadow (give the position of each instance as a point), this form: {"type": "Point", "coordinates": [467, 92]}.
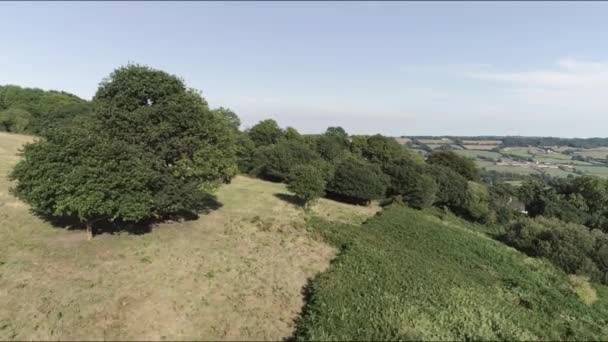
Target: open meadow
{"type": "Point", "coordinates": [236, 273]}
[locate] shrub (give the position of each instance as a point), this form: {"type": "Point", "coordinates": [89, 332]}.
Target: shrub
{"type": "Point", "coordinates": [358, 181]}
{"type": "Point", "coordinates": [274, 162]}
{"type": "Point", "coordinates": [307, 183]}
{"type": "Point", "coordinates": [569, 246]}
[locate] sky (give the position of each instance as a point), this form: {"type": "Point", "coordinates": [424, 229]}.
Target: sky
{"type": "Point", "coordinates": [396, 68]}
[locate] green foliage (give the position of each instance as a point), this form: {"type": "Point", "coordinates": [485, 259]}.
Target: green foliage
{"type": "Point", "coordinates": [406, 275]}
{"type": "Point", "coordinates": [571, 247]}
{"type": "Point", "coordinates": [582, 200]}
{"type": "Point", "coordinates": [333, 144]}
{"type": "Point", "coordinates": [77, 174]}
{"type": "Point", "coordinates": [409, 181]}
{"type": "Point", "coordinates": [462, 165]}
{"type": "Point", "coordinates": [504, 202]}
{"type": "Point", "coordinates": [478, 203]}
{"type": "Point", "coordinates": [307, 182]}
{"type": "Point", "coordinates": [292, 134]}
{"type": "Point", "coordinates": [15, 120]}
{"type": "Point", "coordinates": [245, 150]}
{"type": "Point", "coordinates": [265, 132]}
{"type": "Point", "coordinates": [381, 150]}
{"type": "Point", "coordinates": [151, 148]}
{"type": "Point", "coordinates": [230, 116]}
{"type": "Point", "coordinates": [274, 162]}
{"type": "Point", "coordinates": [453, 188]}
{"type": "Point", "coordinates": [30, 110]}
{"type": "Point", "coordinates": [358, 181]}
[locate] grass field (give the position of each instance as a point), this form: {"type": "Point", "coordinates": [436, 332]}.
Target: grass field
{"type": "Point", "coordinates": [600, 171]}
{"type": "Point", "coordinates": [408, 275]}
{"type": "Point", "coordinates": [505, 168]}
{"type": "Point", "coordinates": [478, 153]}
{"type": "Point", "coordinates": [234, 274]}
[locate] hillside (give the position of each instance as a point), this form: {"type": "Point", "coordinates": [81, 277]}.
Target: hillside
{"type": "Point", "coordinates": [235, 273]}
{"type": "Point", "coordinates": [407, 274]}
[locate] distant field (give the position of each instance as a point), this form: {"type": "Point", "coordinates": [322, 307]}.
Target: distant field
{"type": "Point", "coordinates": [476, 153]}
{"type": "Point", "coordinates": [601, 171]}
{"type": "Point", "coordinates": [597, 153]}
{"type": "Point", "coordinates": [435, 141]}
{"type": "Point", "coordinates": [234, 274]}
{"type": "Point", "coordinates": [557, 172]}
{"type": "Point", "coordinates": [408, 275]}
{"type": "Point", "coordinates": [479, 147]}
{"type": "Point", "coordinates": [505, 168]}
{"type": "Point", "coordinates": [518, 151]}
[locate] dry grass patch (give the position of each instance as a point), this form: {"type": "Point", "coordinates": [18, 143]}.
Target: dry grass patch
{"type": "Point", "coordinates": [234, 274]}
{"type": "Point", "coordinates": [583, 289]}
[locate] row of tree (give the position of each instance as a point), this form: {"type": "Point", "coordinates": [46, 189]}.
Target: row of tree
{"type": "Point", "coordinates": [359, 169]}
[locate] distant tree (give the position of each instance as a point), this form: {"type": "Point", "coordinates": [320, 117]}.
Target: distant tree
{"type": "Point", "coordinates": [333, 143]}
{"type": "Point", "coordinates": [307, 183]}
{"type": "Point", "coordinates": [265, 132]}
{"type": "Point", "coordinates": [292, 134]}
{"type": "Point", "coordinates": [274, 162]}
{"type": "Point", "coordinates": [358, 181]}
{"type": "Point", "coordinates": [381, 150]}
{"type": "Point", "coordinates": [464, 166]}
{"type": "Point", "coordinates": [358, 144]}
{"type": "Point", "coordinates": [152, 148]}
{"type": "Point", "coordinates": [337, 132]}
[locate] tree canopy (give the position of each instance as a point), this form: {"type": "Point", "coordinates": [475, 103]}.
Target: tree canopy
{"type": "Point", "coordinates": [151, 148]}
{"type": "Point", "coordinates": [358, 181]}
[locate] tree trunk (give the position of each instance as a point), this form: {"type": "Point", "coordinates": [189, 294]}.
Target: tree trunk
{"type": "Point", "coordinates": [89, 231]}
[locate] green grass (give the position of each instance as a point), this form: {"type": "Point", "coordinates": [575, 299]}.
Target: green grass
{"type": "Point", "coordinates": [557, 172]}
{"type": "Point", "coordinates": [600, 171]}
{"type": "Point", "coordinates": [409, 275]}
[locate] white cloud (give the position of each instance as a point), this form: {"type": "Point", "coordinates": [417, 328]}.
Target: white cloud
{"type": "Point", "coordinates": [566, 74]}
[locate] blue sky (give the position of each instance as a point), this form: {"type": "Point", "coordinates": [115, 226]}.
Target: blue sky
{"type": "Point", "coordinates": [393, 68]}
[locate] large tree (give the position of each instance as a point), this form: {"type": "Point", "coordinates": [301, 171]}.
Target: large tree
{"type": "Point", "coordinates": [151, 148]}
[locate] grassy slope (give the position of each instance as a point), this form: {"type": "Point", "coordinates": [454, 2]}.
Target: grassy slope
{"type": "Point", "coordinates": [236, 273]}
{"type": "Point", "coordinates": [408, 275]}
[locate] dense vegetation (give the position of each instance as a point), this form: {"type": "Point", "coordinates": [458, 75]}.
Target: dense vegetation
{"type": "Point", "coordinates": [151, 148]}
{"type": "Point", "coordinates": [35, 111]}
{"type": "Point", "coordinates": [407, 275]}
